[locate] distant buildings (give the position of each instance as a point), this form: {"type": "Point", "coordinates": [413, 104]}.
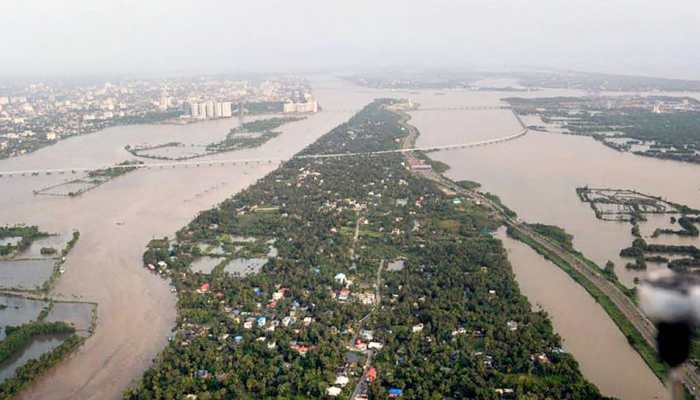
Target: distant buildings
{"type": "Point", "coordinates": [308, 106]}
{"type": "Point", "coordinates": [47, 109]}
{"type": "Point", "coordinates": [210, 110]}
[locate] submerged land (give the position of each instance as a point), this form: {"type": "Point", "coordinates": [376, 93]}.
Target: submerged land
{"type": "Point", "coordinates": [664, 127]}
{"type": "Point", "coordinates": [33, 343]}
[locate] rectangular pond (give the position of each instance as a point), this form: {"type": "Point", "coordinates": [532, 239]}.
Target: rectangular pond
{"type": "Point", "coordinates": [25, 274]}
{"type": "Point", "coordinates": [245, 266]}
{"type": "Point", "coordinates": [78, 315]}
{"type": "Point", "coordinates": [57, 242]}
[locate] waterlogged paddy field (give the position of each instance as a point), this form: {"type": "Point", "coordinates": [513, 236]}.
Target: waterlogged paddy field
{"type": "Point", "coordinates": [40, 345]}
{"type": "Point", "coordinates": [25, 274]}
{"type": "Point", "coordinates": [55, 241]}
{"type": "Point", "coordinates": [19, 310]}
{"type": "Point", "coordinates": [78, 315]}
{"type": "Point", "coordinates": [245, 266]}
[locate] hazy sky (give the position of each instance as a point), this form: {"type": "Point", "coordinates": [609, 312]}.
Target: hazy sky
{"type": "Point", "coordinates": [74, 37]}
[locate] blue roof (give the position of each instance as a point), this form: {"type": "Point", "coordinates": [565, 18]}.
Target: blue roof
{"type": "Point", "coordinates": [396, 391]}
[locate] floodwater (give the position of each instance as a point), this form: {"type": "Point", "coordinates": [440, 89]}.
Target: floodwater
{"type": "Point", "coordinates": [205, 264]}
{"type": "Point", "coordinates": [78, 315]}
{"type": "Point", "coordinates": [245, 266]}
{"type": "Point", "coordinates": [25, 274]}
{"type": "Point", "coordinates": [18, 311]}
{"type": "Point", "coordinates": [396, 265]}
{"type": "Point", "coordinates": [40, 345]}
{"type": "Point", "coordinates": [588, 334]}
{"type": "Point", "coordinates": [116, 221]}
{"type": "Point", "coordinates": [56, 241]}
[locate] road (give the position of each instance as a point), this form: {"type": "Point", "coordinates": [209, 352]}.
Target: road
{"type": "Point", "coordinates": [360, 391]}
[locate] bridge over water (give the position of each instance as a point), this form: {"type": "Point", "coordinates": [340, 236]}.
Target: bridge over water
{"type": "Point", "coordinates": [268, 161]}
{"type": "Point", "coordinates": [450, 108]}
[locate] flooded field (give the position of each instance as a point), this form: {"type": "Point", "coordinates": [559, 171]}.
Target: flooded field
{"type": "Point", "coordinates": [40, 345]}
{"type": "Point", "coordinates": [244, 266]}
{"type": "Point", "coordinates": [25, 274]}
{"type": "Point", "coordinates": [17, 311]}
{"type": "Point", "coordinates": [55, 241]}
{"type": "Point", "coordinates": [78, 315]}
{"type": "Point", "coordinates": [205, 265]}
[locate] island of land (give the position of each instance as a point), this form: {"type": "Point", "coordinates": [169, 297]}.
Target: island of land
{"type": "Point", "coordinates": [383, 284]}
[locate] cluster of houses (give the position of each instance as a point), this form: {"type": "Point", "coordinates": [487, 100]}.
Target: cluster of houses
{"type": "Point", "coordinates": [345, 294]}
{"type": "Point", "coordinates": [265, 317]}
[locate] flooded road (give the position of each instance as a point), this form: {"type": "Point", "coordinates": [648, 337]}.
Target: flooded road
{"type": "Point", "coordinates": [136, 310]}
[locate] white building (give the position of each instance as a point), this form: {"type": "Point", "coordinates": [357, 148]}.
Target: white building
{"type": "Point", "coordinates": [311, 106]}
{"type": "Point", "coordinates": [341, 278]}
{"type": "Point", "coordinates": [194, 110]}
{"type": "Point", "coordinates": [209, 109]}
{"type": "Point", "coordinates": [375, 345]}
{"type": "Point", "coordinates": [226, 109]}
{"type": "Point", "coordinates": [342, 380]}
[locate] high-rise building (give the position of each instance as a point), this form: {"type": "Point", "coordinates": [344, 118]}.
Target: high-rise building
{"type": "Point", "coordinates": [218, 110]}
{"type": "Point", "coordinates": [209, 109]}
{"type": "Point", "coordinates": [164, 103]}
{"type": "Point", "coordinates": [310, 106]}
{"type": "Point", "coordinates": [226, 109]}
{"type": "Point", "coordinates": [194, 110]}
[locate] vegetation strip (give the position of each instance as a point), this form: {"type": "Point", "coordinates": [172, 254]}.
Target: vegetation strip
{"type": "Point", "coordinates": [636, 340]}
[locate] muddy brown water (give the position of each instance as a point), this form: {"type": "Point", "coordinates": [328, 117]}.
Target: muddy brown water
{"type": "Point", "coordinates": [602, 351]}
